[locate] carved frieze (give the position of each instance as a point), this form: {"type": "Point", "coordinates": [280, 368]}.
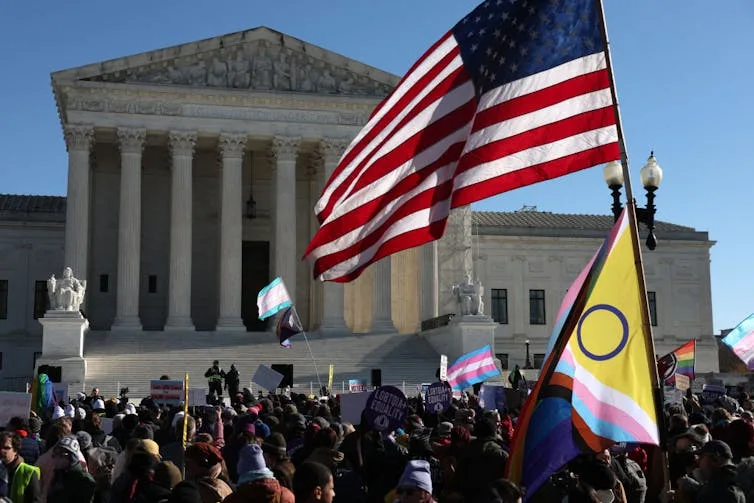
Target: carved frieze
{"type": "Point", "coordinates": [258, 65]}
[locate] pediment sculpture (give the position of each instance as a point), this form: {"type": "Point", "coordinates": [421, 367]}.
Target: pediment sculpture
{"type": "Point", "coordinates": [469, 297]}
{"type": "Point", "coordinates": [66, 293]}
{"type": "Point", "coordinates": [257, 66]}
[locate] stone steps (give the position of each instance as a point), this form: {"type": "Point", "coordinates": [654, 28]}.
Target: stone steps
{"type": "Point", "coordinates": [130, 360]}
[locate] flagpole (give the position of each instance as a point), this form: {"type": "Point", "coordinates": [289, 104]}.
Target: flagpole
{"type": "Point", "coordinates": [634, 229]}
{"type": "Point", "coordinates": [314, 361]}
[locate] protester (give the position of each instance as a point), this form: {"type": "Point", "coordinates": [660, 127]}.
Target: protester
{"type": "Point", "coordinates": [21, 479]}
{"type": "Point", "coordinates": [71, 483]}
{"type": "Point", "coordinates": [313, 483]}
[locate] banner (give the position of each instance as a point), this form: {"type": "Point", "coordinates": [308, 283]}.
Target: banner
{"type": "Point", "coordinates": [357, 385]}
{"type": "Point", "coordinates": [166, 392]}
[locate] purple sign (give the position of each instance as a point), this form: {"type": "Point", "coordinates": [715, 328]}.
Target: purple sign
{"type": "Point", "coordinates": [438, 397]}
{"type": "Point", "coordinates": [386, 408]}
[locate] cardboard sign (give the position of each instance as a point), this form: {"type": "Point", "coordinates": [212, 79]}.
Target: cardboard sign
{"type": "Point", "coordinates": [357, 385]}
{"type": "Point", "coordinates": [166, 392]}
{"type": "Point", "coordinates": [267, 378]}
{"type": "Point", "coordinates": [107, 425]}
{"type": "Point", "coordinates": [682, 382]}
{"type": "Point", "coordinates": [14, 404]}
{"type": "Point", "coordinates": [673, 395]}
{"type": "Point", "coordinates": [443, 367]}
{"type": "Point", "coordinates": [438, 397]}
{"type": "Point", "coordinates": [351, 407]}
{"type": "Point", "coordinates": [386, 409]}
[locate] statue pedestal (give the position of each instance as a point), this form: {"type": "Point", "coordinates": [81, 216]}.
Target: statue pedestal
{"type": "Point", "coordinates": [462, 335]}
{"type": "Point", "coordinates": [63, 344]}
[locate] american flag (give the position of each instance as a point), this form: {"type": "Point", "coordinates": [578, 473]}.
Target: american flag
{"type": "Point", "coordinates": [516, 93]}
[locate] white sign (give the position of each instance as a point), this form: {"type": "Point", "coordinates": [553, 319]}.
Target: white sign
{"type": "Point", "coordinates": [13, 405]}
{"type": "Point", "coordinates": [107, 425]}
{"type": "Point", "coordinates": [443, 367]}
{"type": "Point", "coordinates": [682, 382]}
{"type": "Point", "coordinates": [267, 378]}
{"type": "Point", "coordinates": [166, 392]}
{"type": "Point", "coordinates": [351, 407]}
{"type": "Point", "coordinates": [197, 396]}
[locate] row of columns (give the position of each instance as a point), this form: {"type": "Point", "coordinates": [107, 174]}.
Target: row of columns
{"type": "Point", "coordinates": [131, 141]}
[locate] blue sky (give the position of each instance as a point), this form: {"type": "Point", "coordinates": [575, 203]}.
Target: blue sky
{"type": "Point", "coordinates": [682, 69]}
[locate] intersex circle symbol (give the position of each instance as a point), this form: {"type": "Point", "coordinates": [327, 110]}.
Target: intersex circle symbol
{"type": "Point", "coordinates": [624, 337]}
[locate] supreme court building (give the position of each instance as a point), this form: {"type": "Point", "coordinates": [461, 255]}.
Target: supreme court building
{"type": "Point", "coordinates": [192, 176]}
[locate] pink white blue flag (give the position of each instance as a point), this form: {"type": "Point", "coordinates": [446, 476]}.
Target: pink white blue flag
{"type": "Point", "coordinates": [472, 368]}
{"type": "Point", "coordinates": [273, 298]}
{"type": "Point", "coordinates": [741, 341]}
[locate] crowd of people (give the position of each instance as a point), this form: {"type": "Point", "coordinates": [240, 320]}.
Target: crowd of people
{"type": "Point", "coordinates": [284, 448]}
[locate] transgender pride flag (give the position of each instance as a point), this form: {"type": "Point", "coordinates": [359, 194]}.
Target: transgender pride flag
{"type": "Point", "coordinates": [472, 368]}
{"type": "Point", "coordinates": [741, 341]}
{"type": "Point", "coordinates": [273, 298]}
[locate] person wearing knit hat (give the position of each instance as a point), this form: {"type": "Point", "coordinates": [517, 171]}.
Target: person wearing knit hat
{"type": "Point", "coordinates": [261, 429]}
{"type": "Point", "coordinates": [129, 409]}
{"type": "Point", "coordinates": [256, 482]}
{"type": "Point", "coordinates": [70, 411]}
{"type": "Point", "coordinates": [167, 475]}
{"type": "Point", "coordinates": [70, 477]}
{"type": "Point", "coordinates": [204, 465]}
{"type": "Point", "coordinates": [85, 440]}
{"type": "Point", "coordinates": [57, 412]}
{"type": "Point", "coordinates": [415, 485]}
{"type": "Point", "coordinates": [98, 405]}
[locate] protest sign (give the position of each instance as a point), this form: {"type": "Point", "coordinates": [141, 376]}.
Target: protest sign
{"type": "Point", "coordinates": [267, 378]}
{"type": "Point", "coordinates": [357, 385]}
{"type": "Point", "coordinates": [443, 367]}
{"type": "Point", "coordinates": [166, 392]}
{"type": "Point", "coordinates": [682, 382]}
{"type": "Point", "coordinates": [492, 397]}
{"type": "Point", "coordinates": [197, 396]}
{"type": "Point", "coordinates": [107, 425]}
{"type": "Point", "coordinates": [351, 407]}
{"type": "Point", "coordinates": [711, 392]}
{"type": "Point", "coordinates": [61, 392]}
{"type": "Point", "coordinates": [13, 404]}
{"type": "Point", "coordinates": [386, 408]}
{"type": "Point", "coordinates": [438, 397]}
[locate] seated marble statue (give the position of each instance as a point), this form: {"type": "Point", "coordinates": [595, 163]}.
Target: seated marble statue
{"type": "Point", "coordinates": [66, 293]}
{"type": "Point", "coordinates": [469, 297]}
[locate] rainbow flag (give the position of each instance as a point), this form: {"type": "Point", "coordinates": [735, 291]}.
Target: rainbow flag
{"type": "Point", "coordinates": [741, 341]}
{"type": "Point", "coordinates": [679, 361]}
{"type": "Point", "coordinates": [596, 385]}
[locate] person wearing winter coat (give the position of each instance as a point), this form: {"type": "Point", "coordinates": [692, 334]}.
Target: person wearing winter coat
{"type": "Point", "coordinates": [204, 467]}
{"type": "Point", "coordinates": [256, 482]}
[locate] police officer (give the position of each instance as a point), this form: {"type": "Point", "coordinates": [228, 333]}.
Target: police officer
{"type": "Point", "coordinates": [215, 376]}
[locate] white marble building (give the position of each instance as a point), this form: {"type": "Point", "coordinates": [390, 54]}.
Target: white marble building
{"type": "Point", "coordinates": [192, 175]}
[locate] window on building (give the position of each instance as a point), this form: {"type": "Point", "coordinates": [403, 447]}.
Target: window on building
{"type": "Point", "coordinates": [537, 307]}
{"type": "Point", "coordinates": [652, 298]}
{"type": "Point", "coordinates": [104, 283]}
{"type": "Point", "coordinates": [3, 299]}
{"type": "Point", "coordinates": [152, 288]}
{"type": "Point", "coordinates": [539, 359]}
{"type": "Point", "coordinates": [503, 357]}
{"type": "Point", "coordinates": [500, 305]}
{"type": "Point", "coordinates": [41, 299]}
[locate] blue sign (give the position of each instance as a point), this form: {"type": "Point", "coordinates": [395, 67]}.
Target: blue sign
{"type": "Point", "coordinates": [438, 397]}
{"type": "Point", "coordinates": [492, 397]}
{"type": "Point", "coordinates": [386, 408]}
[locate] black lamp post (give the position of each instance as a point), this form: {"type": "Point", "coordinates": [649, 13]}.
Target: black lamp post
{"type": "Point", "coordinates": [528, 364]}
{"type": "Point", "coordinates": [251, 208]}
{"type": "Point", "coordinates": [651, 177]}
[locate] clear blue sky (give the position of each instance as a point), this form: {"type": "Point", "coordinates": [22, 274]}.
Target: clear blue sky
{"type": "Point", "coordinates": [683, 74]}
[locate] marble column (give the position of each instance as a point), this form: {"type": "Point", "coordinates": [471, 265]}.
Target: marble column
{"type": "Point", "coordinates": [181, 220]}
{"type": "Point", "coordinates": [333, 320]}
{"type": "Point", "coordinates": [79, 141]}
{"type": "Point", "coordinates": [231, 232]}
{"type": "Point", "coordinates": [284, 151]}
{"type": "Point", "coordinates": [429, 289]}
{"type": "Point", "coordinates": [382, 308]}
{"type": "Point", "coordinates": [131, 142]}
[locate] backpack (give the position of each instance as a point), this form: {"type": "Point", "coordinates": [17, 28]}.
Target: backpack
{"type": "Point", "coordinates": [101, 464]}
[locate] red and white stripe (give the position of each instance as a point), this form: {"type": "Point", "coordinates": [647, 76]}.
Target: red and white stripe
{"type": "Point", "coordinates": [431, 146]}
